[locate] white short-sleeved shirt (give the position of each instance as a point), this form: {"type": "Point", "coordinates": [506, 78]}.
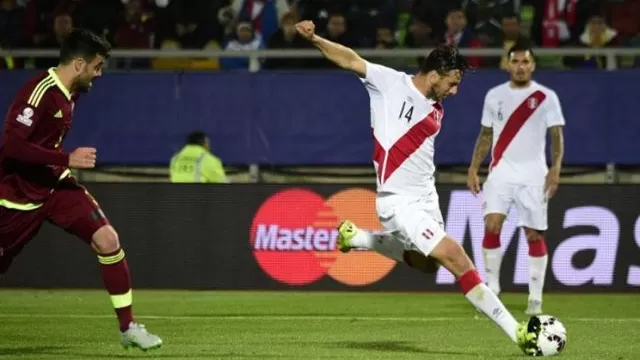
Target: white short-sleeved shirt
{"type": "Point", "coordinates": [405, 124]}
{"type": "Point", "coordinates": [520, 118]}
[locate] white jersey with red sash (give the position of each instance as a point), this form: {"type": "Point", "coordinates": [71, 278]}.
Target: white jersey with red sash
{"type": "Point", "coordinates": [520, 118]}
{"type": "Point", "coordinates": [405, 124]}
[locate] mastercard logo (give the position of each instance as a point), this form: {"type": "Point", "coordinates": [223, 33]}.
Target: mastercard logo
{"type": "Point", "coordinates": [294, 234]}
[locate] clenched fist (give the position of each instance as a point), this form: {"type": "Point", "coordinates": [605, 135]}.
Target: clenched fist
{"type": "Point", "coordinates": [306, 29]}
{"type": "Point", "coordinates": [83, 158]}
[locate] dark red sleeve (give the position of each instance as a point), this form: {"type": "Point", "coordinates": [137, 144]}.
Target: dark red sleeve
{"type": "Point", "coordinates": [21, 121]}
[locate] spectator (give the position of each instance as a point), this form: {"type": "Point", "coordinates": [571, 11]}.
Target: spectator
{"type": "Point", "coordinates": [597, 34]}
{"type": "Point", "coordinates": [246, 39]}
{"type": "Point", "coordinates": [433, 12]}
{"type": "Point", "coordinates": [193, 23]}
{"type": "Point", "coordinates": [62, 27]}
{"type": "Point", "coordinates": [509, 36]}
{"type": "Point", "coordinates": [625, 18]}
{"type": "Point", "coordinates": [553, 22]}
{"type": "Point", "coordinates": [385, 40]}
{"type": "Point", "coordinates": [487, 14]}
{"type": "Point", "coordinates": [12, 19]}
{"type": "Point", "coordinates": [195, 163]}
{"type": "Point", "coordinates": [286, 38]}
{"type": "Point", "coordinates": [136, 30]}
{"type": "Point", "coordinates": [420, 35]}
{"type": "Point", "coordinates": [262, 14]}
{"type": "Point", "coordinates": [337, 30]}
{"type": "Point", "coordinates": [459, 35]}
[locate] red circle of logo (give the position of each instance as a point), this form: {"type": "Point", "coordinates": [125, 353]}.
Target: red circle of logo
{"type": "Point", "coordinates": [293, 237]}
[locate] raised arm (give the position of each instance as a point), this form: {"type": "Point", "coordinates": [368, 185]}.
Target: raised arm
{"type": "Point", "coordinates": [341, 55]}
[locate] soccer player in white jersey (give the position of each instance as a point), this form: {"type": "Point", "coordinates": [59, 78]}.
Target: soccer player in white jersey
{"type": "Point", "coordinates": [406, 114]}
{"type": "Point", "coordinates": [516, 118]}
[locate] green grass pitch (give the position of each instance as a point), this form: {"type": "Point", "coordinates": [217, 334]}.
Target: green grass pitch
{"type": "Point", "coordinates": [40, 324]}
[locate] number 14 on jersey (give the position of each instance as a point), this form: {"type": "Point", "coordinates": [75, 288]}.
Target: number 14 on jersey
{"type": "Point", "coordinates": [406, 111]}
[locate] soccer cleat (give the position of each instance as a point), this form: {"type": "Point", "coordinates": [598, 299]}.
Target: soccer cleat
{"type": "Point", "coordinates": [138, 336]}
{"type": "Point", "coordinates": [527, 336]}
{"type": "Point", "coordinates": [346, 231]}
{"type": "Point", "coordinates": [534, 308]}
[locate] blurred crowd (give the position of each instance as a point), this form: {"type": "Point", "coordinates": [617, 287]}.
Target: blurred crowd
{"type": "Point", "coordinates": [258, 24]}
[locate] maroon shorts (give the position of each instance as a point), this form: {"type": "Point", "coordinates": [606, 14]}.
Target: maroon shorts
{"type": "Point", "coordinates": [72, 208]}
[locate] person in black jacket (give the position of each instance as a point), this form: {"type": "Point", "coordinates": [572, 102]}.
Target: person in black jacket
{"type": "Point", "coordinates": [286, 38]}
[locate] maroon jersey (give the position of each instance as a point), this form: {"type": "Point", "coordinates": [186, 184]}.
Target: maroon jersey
{"type": "Point", "coordinates": [32, 161]}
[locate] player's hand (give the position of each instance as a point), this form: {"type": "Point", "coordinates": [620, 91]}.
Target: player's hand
{"type": "Point", "coordinates": [473, 182]}
{"type": "Point", "coordinates": [551, 182]}
{"type": "Point", "coordinates": [83, 158]}
{"type": "Point", "coordinates": [306, 29]}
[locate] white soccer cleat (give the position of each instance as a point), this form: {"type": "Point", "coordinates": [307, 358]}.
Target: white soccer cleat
{"type": "Point", "coordinates": [534, 308]}
{"type": "Point", "coordinates": [138, 336]}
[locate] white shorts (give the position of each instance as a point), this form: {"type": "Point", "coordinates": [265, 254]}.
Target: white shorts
{"type": "Point", "coordinates": [530, 201]}
{"type": "Point", "coordinates": [415, 221]}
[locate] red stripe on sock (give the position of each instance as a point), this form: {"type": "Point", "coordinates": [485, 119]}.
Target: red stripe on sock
{"type": "Point", "coordinates": [538, 248]}
{"type": "Point", "coordinates": [469, 280]}
{"type": "Point", "coordinates": [491, 240]}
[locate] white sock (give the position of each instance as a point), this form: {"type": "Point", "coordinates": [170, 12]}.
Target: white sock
{"type": "Point", "coordinates": [381, 242]}
{"type": "Point", "coordinates": [486, 300]}
{"type": "Point", "coordinates": [492, 263]}
{"type": "Point", "coordinates": [537, 273]}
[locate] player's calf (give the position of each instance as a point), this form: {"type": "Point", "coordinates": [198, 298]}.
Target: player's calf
{"type": "Point", "coordinates": [492, 252]}
{"type": "Point", "coordinates": [117, 281]}
{"type": "Point", "coordinates": [453, 257]}
{"type": "Point", "coordinates": [418, 261]}
{"type": "Point", "coordinates": [538, 260]}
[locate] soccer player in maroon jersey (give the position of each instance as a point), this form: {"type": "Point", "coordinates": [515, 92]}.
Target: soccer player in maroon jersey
{"type": "Point", "coordinates": [35, 180]}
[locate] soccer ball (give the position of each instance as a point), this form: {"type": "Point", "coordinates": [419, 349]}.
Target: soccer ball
{"type": "Point", "coordinates": [552, 335]}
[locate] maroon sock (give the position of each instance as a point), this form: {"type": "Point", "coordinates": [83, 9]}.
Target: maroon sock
{"type": "Point", "coordinates": [491, 240]}
{"type": "Point", "coordinates": [117, 281]}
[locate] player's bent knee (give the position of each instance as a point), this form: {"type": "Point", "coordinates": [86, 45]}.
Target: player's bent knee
{"type": "Point", "coordinates": [452, 256]}
{"type": "Point", "coordinates": [493, 223]}
{"type": "Point", "coordinates": [105, 240]}
{"type": "Point", "coordinates": [532, 234]}
{"type": "Point", "coordinates": [425, 264]}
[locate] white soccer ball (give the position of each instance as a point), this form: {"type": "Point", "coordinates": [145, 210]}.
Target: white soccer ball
{"type": "Point", "coordinates": [552, 337]}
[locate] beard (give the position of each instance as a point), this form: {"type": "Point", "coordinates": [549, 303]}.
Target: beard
{"type": "Point", "coordinates": [436, 95]}
{"type": "Point", "coordinates": [82, 85]}
{"type": "Point", "coordinates": [520, 81]}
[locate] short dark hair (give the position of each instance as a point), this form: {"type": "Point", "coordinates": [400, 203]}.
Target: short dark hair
{"type": "Point", "coordinates": [85, 44]}
{"type": "Point", "coordinates": [521, 45]}
{"type": "Point", "coordinates": [197, 138]}
{"type": "Point", "coordinates": [443, 59]}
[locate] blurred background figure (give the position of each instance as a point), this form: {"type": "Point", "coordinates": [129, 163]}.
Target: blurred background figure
{"type": "Point", "coordinates": [62, 26]}
{"type": "Point", "coordinates": [195, 163]}
{"type": "Point", "coordinates": [245, 39]}
{"type": "Point", "coordinates": [286, 37]}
